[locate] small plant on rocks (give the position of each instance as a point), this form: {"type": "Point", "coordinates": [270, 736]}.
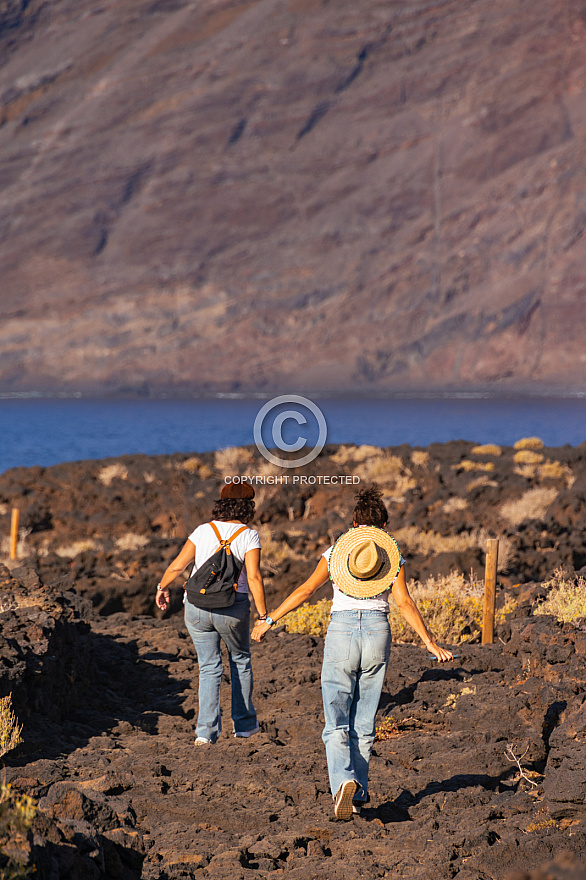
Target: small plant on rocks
{"type": "Point", "coordinates": [10, 729]}
{"type": "Point", "coordinates": [566, 598]}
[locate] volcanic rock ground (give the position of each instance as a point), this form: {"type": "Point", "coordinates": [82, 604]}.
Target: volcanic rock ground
{"type": "Point", "coordinates": [108, 700]}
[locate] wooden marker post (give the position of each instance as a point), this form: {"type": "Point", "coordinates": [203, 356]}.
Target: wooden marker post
{"type": "Point", "coordinates": [14, 533]}
{"type": "Point", "coordinates": [492, 556]}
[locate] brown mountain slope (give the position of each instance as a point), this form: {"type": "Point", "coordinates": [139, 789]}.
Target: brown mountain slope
{"type": "Point", "coordinates": [376, 194]}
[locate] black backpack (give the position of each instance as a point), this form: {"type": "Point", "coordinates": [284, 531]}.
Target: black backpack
{"type": "Point", "coordinates": [215, 582]}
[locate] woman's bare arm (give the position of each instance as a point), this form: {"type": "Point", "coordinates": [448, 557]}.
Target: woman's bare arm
{"type": "Point", "coordinates": [185, 557]}
{"type": "Point", "coordinates": [255, 581]}
{"type": "Point", "coordinates": [411, 615]}
{"type": "Point", "coordinates": [316, 579]}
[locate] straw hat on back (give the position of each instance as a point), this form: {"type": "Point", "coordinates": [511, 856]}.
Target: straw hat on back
{"type": "Point", "coordinates": [364, 562]}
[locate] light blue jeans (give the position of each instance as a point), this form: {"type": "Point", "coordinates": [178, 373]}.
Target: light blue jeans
{"type": "Point", "coordinates": [356, 656]}
{"type": "Point", "coordinates": [207, 628]}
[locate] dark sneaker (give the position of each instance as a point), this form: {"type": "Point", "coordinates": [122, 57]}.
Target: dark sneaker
{"type": "Point", "coordinates": [357, 807]}
{"type": "Point", "coordinates": [343, 800]}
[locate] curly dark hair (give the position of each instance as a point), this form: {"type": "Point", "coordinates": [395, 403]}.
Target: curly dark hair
{"type": "Point", "coordinates": [234, 508]}
{"type": "Point", "coordinates": [370, 508]}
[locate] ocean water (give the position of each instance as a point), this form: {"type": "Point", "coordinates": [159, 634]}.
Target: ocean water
{"type": "Point", "coordinates": [51, 431]}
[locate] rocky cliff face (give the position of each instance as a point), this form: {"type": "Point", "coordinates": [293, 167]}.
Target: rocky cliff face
{"type": "Point", "coordinates": [373, 195]}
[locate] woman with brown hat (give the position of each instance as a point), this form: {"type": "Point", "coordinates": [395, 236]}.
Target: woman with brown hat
{"type": "Point", "coordinates": [209, 626]}
{"type": "Point", "coordinates": [364, 565]}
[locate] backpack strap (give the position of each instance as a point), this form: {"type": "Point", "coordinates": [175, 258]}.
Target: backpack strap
{"type": "Point", "coordinates": [225, 542]}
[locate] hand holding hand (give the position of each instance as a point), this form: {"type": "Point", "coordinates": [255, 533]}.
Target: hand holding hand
{"type": "Point", "coordinates": [260, 630]}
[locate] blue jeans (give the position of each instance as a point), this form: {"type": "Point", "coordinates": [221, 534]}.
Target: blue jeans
{"type": "Point", "coordinates": [207, 628]}
{"type": "Point", "coordinates": [356, 656]}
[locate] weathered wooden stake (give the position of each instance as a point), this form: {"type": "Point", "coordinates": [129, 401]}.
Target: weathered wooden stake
{"type": "Point", "coordinates": [14, 533]}
{"type": "Point", "coordinates": [492, 556]}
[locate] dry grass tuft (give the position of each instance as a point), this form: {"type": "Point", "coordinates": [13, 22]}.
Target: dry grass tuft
{"type": "Point", "coordinates": [356, 454]}
{"type": "Point", "coordinates": [191, 464]}
{"type": "Point", "coordinates": [233, 461]}
{"type": "Point", "coordinates": [414, 540]}
{"type": "Point", "coordinates": [452, 505]}
{"type": "Point", "coordinates": [131, 541]}
{"type": "Point", "coordinates": [481, 482]}
{"type": "Point", "coordinates": [532, 505]}
{"type": "Point", "coordinates": [529, 443]}
{"type": "Point", "coordinates": [487, 449]}
{"type": "Point", "coordinates": [466, 465]}
{"type": "Point", "coordinates": [555, 470]}
{"type": "Point", "coordinates": [567, 596]}
{"type": "Point", "coordinates": [527, 456]}
{"type": "Point", "coordinates": [10, 729]}
{"type": "Point", "coordinates": [17, 812]}
{"type": "Point", "coordinates": [371, 463]}
{"type": "Point", "coordinates": [420, 458]}
{"type": "Point", "coordinates": [110, 472]}
{"type": "Point", "coordinates": [548, 470]}
{"type": "Point", "coordinates": [69, 551]}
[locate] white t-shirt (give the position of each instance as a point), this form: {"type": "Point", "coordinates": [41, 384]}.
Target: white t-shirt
{"type": "Point", "coordinates": [206, 544]}
{"type": "Point", "coordinates": [342, 602]}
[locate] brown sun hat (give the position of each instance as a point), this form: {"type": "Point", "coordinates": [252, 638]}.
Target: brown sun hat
{"type": "Point", "coordinates": [237, 490]}
{"type": "Point", "coordinates": [364, 562]}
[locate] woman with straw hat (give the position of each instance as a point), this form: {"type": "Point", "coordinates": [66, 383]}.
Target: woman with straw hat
{"type": "Point", "coordinates": [364, 565]}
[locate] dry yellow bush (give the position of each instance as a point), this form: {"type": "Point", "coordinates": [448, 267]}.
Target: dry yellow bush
{"type": "Point", "coordinates": [487, 449]}
{"type": "Point", "coordinates": [527, 456]}
{"type": "Point", "coordinates": [482, 481]}
{"type": "Point", "coordinates": [420, 458]}
{"type": "Point", "coordinates": [10, 729]}
{"type": "Point", "coordinates": [233, 460]}
{"type": "Point", "coordinates": [529, 443]}
{"type": "Point", "coordinates": [310, 620]}
{"type": "Point", "coordinates": [413, 540]}
{"type": "Point", "coordinates": [555, 470]}
{"type": "Point", "coordinates": [116, 471]}
{"type": "Point", "coordinates": [355, 454]}
{"type": "Point", "coordinates": [566, 598]}
{"type": "Point", "coordinates": [466, 465]}
{"type": "Point", "coordinates": [532, 505]}
{"type": "Point", "coordinates": [447, 604]}
{"type": "Point", "coordinates": [191, 464]}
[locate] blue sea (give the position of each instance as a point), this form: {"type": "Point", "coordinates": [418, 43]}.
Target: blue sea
{"type": "Point", "coordinates": [50, 431]}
